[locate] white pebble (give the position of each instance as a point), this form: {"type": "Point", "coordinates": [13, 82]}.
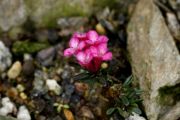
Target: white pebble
{"type": "Point", "coordinates": [23, 114]}
{"type": "Point", "coordinates": [53, 86]}
{"type": "Point", "coordinates": [135, 117]}
{"type": "Point", "coordinates": [7, 107]}
{"type": "Point", "coordinates": [15, 70]}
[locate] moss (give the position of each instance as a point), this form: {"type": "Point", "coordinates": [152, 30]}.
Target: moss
{"type": "Point", "coordinates": [21, 47]}
{"type": "Point", "coordinates": [50, 19]}
{"type": "Point", "coordinates": [7, 118]}
{"type": "Point", "coordinates": [169, 95]}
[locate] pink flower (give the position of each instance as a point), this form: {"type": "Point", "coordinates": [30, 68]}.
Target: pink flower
{"type": "Point", "coordinates": [75, 44]}
{"type": "Point", "coordinates": [94, 38]}
{"type": "Point", "coordinates": [90, 50]}
{"type": "Point", "coordinates": [101, 51]}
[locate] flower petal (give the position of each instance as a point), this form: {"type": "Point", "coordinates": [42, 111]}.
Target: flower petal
{"type": "Point", "coordinates": [102, 48]}
{"type": "Point", "coordinates": [102, 39]}
{"type": "Point", "coordinates": [73, 42]}
{"type": "Point", "coordinates": [107, 56]}
{"type": "Point", "coordinates": [92, 35]}
{"type": "Point", "coordinates": [81, 45]}
{"type": "Point", "coordinates": [89, 56]}
{"type": "Point", "coordinates": [80, 36]}
{"type": "Point", "coordinates": [94, 51]}
{"type": "Point", "coordinates": [69, 51]}
{"type": "Point", "coordinates": [80, 56]}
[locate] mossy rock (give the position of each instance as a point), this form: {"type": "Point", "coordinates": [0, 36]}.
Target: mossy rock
{"type": "Point", "coordinates": [45, 13]}
{"type": "Point", "coordinates": [21, 47]}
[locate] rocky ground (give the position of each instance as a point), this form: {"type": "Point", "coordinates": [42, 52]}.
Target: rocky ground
{"type": "Point", "coordinates": [37, 82]}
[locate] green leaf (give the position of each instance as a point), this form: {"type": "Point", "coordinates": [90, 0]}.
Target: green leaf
{"type": "Point", "coordinates": [122, 112]}
{"type": "Point", "coordinates": [125, 100]}
{"type": "Point", "coordinates": [136, 110]}
{"type": "Point", "coordinates": [66, 106]}
{"type": "Point", "coordinates": [82, 76]}
{"type": "Point", "coordinates": [110, 111]}
{"type": "Point", "coordinates": [138, 91]}
{"type": "Point", "coordinates": [128, 81]}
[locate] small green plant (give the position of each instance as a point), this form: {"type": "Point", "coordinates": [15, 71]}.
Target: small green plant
{"type": "Point", "coordinates": [127, 102]}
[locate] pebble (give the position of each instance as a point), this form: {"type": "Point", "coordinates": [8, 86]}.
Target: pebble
{"type": "Point", "coordinates": [28, 65]}
{"type": "Point", "coordinates": [100, 29]}
{"type": "Point", "coordinates": [54, 86]}
{"type": "Point", "coordinates": [68, 114]}
{"type": "Point", "coordinates": [86, 112]}
{"type": "Point", "coordinates": [66, 74]}
{"type": "Point", "coordinates": [7, 106]}
{"type": "Point", "coordinates": [81, 87]}
{"type": "Point", "coordinates": [20, 88]}
{"type": "Point", "coordinates": [46, 56]}
{"type": "Point", "coordinates": [15, 70]}
{"type": "Point", "coordinates": [23, 95]}
{"type": "Point", "coordinates": [69, 89]}
{"type": "Point", "coordinates": [5, 57]}
{"type": "Point", "coordinates": [23, 113]}
{"type": "Point", "coordinates": [173, 25]}
{"type": "Point", "coordinates": [104, 65]}
{"type": "Point", "coordinates": [135, 117]}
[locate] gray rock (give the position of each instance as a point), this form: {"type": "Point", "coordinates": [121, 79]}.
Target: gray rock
{"type": "Point", "coordinates": [45, 13]}
{"type": "Point", "coordinates": [135, 116]}
{"type": "Point", "coordinates": [39, 81]}
{"type": "Point", "coordinates": [155, 61]}
{"type": "Point", "coordinates": [5, 57]}
{"type": "Point", "coordinates": [12, 13]}
{"type": "Point", "coordinates": [45, 56]}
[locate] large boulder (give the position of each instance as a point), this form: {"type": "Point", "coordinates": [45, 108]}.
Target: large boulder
{"type": "Point", "coordinates": [44, 13]}
{"type": "Point", "coordinates": [155, 62]}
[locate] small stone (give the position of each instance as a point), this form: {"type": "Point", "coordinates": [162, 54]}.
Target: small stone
{"type": "Point", "coordinates": [28, 68]}
{"type": "Point", "coordinates": [100, 29]}
{"type": "Point", "coordinates": [46, 56]}
{"type": "Point", "coordinates": [39, 104]}
{"type": "Point", "coordinates": [15, 70]}
{"type": "Point", "coordinates": [23, 95]}
{"type": "Point", "coordinates": [54, 86]}
{"type": "Point", "coordinates": [69, 89]}
{"type": "Point", "coordinates": [66, 74]}
{"type": "Point", "coordinates": [68, 114]}
{"type": "Point", "coordinates": [5, 57]}
{"type": "Point", "coordinates": [20, 88]}
{"type": "Point", "coordinates": [86, 112]}
{"type": "Point", "coordinates": [39, 81]}
{"type": "Point", "coordinates": [135, 117]}
{"type": "Point", "coordinates": [81, 87]}
{"type": "Point", "coordinates": [7, 106]}
{"type": "Point", "coordinates": [12, 92]}
{"type": "Point", "coordinates": [104, 65]}
{"type": "Point", "coordinates": [23, 114]}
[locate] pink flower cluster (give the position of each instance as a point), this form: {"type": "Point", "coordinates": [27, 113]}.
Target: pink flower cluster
{"type": "Point", "coordinates": [90, 50]}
